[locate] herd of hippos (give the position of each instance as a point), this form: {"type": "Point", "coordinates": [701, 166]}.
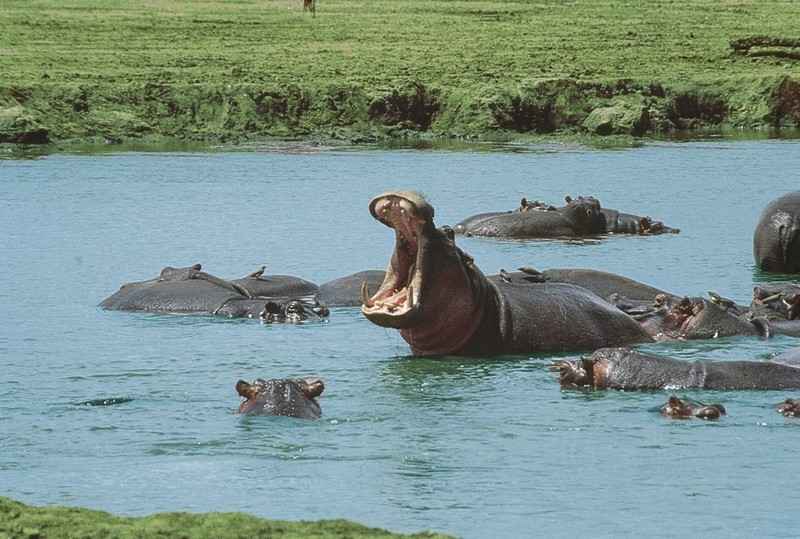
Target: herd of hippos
{"type": "Point", "coordinates": [442, 304]}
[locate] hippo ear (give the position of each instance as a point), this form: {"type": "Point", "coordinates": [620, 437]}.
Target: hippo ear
{"type": "Point", "coordinates": [674, 401]}
{"type": "Point", "coordinates": [243, 388]}
{"type": "Point", "coordinates": [709, 412]}
{"type": "Point", "coordinates": [568, 199]}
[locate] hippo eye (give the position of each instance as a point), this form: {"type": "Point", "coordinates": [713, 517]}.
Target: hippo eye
{"type": "Point", "coordinates": [449, 232]}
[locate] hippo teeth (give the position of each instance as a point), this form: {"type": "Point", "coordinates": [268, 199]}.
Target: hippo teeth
{"type": "Point", "coordinates": [365, 297]}
{"type": "Point", "coordinates": [410, 297]}
{"type": "Point", "coordinates": [389, 304]}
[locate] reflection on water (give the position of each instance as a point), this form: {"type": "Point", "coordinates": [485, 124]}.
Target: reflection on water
{"type": "Point", "coordinates": [477, 447]}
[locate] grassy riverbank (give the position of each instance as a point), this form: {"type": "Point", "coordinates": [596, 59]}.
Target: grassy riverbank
{"type": "Point", "coordinates": [254, 69]}
{"type": "Point", "coordinates": [19, 521]}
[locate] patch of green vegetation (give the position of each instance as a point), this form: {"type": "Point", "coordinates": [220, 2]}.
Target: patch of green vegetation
{"type": "Point", "coordinates": [19, 521]}
{"type": "Point", "coordinates": [244, 70]}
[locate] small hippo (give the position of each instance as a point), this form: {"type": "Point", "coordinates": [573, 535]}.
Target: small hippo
{"type": "Point", "coordinates": [291, 398]}
{"type": "Point", "coordinates": [677, 408]}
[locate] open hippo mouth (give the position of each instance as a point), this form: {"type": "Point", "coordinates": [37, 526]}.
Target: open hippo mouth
{"type": "Point", "coordinates": [396, 303]}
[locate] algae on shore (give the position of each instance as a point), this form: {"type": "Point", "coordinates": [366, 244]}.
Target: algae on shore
{"type": "Point", "coordinates": [253, 69]}
{"type": "Point", "coordinates": [20, 521]}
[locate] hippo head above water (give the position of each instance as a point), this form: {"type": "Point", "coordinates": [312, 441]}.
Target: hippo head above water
{"type": "Point", "coordinates": [398, 302]}
{"type": "Point", "coordinates": [671, 317]}
{"type": "Point", "coordinates": [285, 397]}
{"type": "Point", "coordinates": [677, 408]}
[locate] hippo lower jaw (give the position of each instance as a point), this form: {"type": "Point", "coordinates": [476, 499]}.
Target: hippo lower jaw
{"type": "Point", "coordinates": [399, 310]}
{"type": "Point", "coordinates": [396, 304]}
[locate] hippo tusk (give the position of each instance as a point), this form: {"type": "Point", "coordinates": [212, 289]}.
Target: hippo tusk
{"type": "Point", "coordinates": [410, 297]}
{"type": "Point", "coordinates": [365, 299]}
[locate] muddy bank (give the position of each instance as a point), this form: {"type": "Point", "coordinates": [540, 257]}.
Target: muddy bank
{"type": "Point", "coordinates": [57, 112]}
{"type": "Point", "coordinates": [18, 520]}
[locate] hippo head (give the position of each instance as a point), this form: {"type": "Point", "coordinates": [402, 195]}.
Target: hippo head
{"type": "Point", "coordinates": [432, 292]}
{"type": "Point", "coordinates": [677, 408]}
{"type": "Point", "coordinates": [585, 214]}
{"type": "Point", "coordinates": [778, 302]}
{"type": "Point", "coordinates": [575, 374]}
{"type": "Point", "coordinates": [692, 318]}
{"type": "Point", "coordinates": [292, 311]}
{"type": "Point", "coordinates": [293, 398]}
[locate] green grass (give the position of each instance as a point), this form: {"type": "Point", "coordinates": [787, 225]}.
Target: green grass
{"type": "Point", "coordinates": [248, 69]}
{"type": "Point", "coordinates": [19, 521]}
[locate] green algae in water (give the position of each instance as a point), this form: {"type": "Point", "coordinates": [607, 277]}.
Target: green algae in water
{"type": "Point", "coordinates": [22, 521]}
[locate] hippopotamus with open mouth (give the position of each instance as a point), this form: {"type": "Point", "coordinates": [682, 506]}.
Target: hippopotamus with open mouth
{"type": "Point", "coordinates": [443, 304]}
{"type": "Point", "coordinates": [291, 398]}
{"type": "Point", "coordinates": [678, 408]}
{"type": "Point", "coordinates": [627, 369]}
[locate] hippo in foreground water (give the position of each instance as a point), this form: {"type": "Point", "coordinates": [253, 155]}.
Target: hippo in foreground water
{"type": "Point", "coordinates": [192, 291]}
{"type": "Point", "coordinates": [291, 398]}
{"type": "Point", "coordinates": [677, 408]}
{"type": "Point", "coordinates": [581, 216]}
{"type": "Point", "coordinates": [776, 239]}
{"type": "Point", "coordinates": [627, 369]}
{"type": "Point", "coordinates": [443, 304]}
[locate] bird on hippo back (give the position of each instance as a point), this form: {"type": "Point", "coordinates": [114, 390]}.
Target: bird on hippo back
{"type": "Point", "coordinates": [443, 304]}
{"type": "Point", "coordinates": [283, 397]}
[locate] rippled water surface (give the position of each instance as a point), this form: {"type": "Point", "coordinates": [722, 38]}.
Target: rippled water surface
{"type": "Point", "coordinates": [476, 447]}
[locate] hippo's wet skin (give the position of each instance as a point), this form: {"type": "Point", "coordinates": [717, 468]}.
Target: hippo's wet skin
{"type": "Point", "coordinates": [581, 216]}
{"type": "Point", "coordinates": [192, 291]}
{"type": "Point", "coordinates": [443, 304]}
{"type": "Point", "coordinates": [346, 291]}
{"type": "Point", "coordinates": [677, 408]}
{"type": "Point", "coordinates": [627, 369]}
{"type": "Point", "coordinates": [291, 398]}
{"type": "Point", "coordinates": [776, 239]}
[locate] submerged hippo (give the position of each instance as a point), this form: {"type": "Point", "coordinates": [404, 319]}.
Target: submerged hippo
{"type": "Point", "coordinates": [776, 240]}
{"type": "Point", "coordinates": [346, 291]}
{"type": "Point", "coordinates": [789, 408]}
{"type": "Point", "coordinates": [672, 317]}
{"type": "Point", "coordinates": [192, 291]}
{"type": "Point", "coordinates": [627, 369]}
{"type": "Point", "coordinates": [677, 408]}
{"type": "Point", "coordinates": [291, 398]}
{"type": "Point", "coordinates": [443, 304]}
{"type": "Point", "coordinates": [581, 216]}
